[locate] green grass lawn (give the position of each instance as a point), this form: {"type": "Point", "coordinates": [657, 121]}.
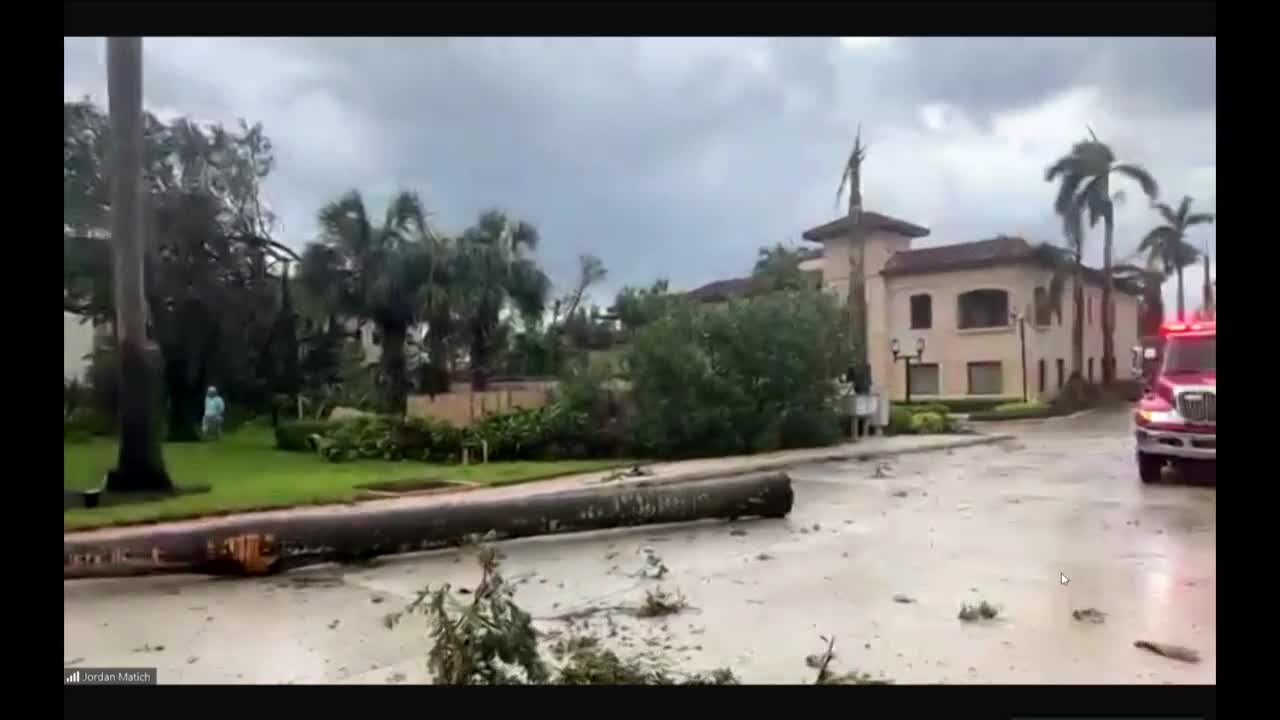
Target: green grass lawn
{"type": "Point", "coordinates": [244, 471]}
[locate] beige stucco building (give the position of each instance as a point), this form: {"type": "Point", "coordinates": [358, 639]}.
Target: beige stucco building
{"type": "Point", "coordinates": [960, 300]}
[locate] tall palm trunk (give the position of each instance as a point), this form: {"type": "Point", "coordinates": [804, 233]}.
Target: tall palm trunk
{"type": "Point", "coordinates": [1182, 310]}
{"type": "Point", "coordinates": [1209, 312]}
{"type": "Point", "coordinates": [1077, 324]}
{"type": "Point", "coordinates": [858, 280]}
{"type": "Point", "coordinates": [394, 369]}
{"type": "Point", "coordinates": [140, 465]}
{"type": "Point", "coordinates": [1108, 305]}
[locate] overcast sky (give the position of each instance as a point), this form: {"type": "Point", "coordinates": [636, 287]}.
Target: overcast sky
{"type": "Point", "coordinates": [679, 157]}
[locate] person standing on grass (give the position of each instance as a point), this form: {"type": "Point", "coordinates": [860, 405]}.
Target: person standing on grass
{"type": "Point", "coordinates": [213, 411]}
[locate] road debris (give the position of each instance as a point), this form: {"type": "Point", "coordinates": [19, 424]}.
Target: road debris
{"type": "Point", "coordinates": [900, 493]}
{"type": "Point", "coordinates": [822, 663]}
{"type": "Point", "coordinates": [653, 568]}
{"type": "Point", "coordinates": [764, 556]}
{"type": "Point", "coordinates": [148, 648]}
{"type": "Point", "coordinates": [982, 611]}
{"type": "Point", "coordinates": [658, 603]}
{"type": "Point", "coordinates": [883, 470]}
{"type": "Point", "coordinates": [1174, 652]}
{"type": "Point", "coordinates": [634, 471]}
{"type": "Point", "coordinates": [1090, 615]}
{"type": "Point", "coordinates": [903, 599]}
{"type": "Point", "coordinates": [737, 532]}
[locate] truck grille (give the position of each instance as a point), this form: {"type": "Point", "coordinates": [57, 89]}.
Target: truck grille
{"type": "Point", "coordinates": [1198, 406]}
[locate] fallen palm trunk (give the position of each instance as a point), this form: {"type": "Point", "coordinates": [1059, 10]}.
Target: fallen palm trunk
{"type": "Point", "coordinates": [254, 546]}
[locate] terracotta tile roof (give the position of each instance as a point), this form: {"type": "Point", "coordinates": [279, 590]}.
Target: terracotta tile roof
{"type": "Point", "coordinates": [869, 220]}
{"type": "Point", "coordinates": [1002, 250]}
{"type": "Point", "coordinates": [960, 256]}
{"type": "Point", "coordinates": [721, 290]}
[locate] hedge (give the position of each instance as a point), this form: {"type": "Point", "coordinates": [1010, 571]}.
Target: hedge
{"type": "Point", "coordinates": [552, 432]}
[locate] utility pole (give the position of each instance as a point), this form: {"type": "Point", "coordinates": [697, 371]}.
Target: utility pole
{"type": "Point", "coordinates": [1022, 340]}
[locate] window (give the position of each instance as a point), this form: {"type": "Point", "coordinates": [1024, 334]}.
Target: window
{"type": "Point", "coordinates": [1040, 385]}
{"type": "Point", "coordinates": [924, 379]}
{"type": "Point", "coordinates": [1062, 375]}
{"type": "Point", "coordinates": [1044, 310]}
{"type": "Point", "coordinates": [1090, 369]}
{"type": "Point", "coordinates": [983, 309]}
{"type": "Point", "coordinates": [921, 312]}
{"type": "Point", "coordinates": [1192, 353]}
{"type": "Point", "coordinates": [1088, 308]}
{"type": "Point", "coordinates": [986, 378]}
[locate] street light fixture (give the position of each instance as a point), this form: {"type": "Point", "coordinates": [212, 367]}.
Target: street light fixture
{"type": "Point", "coordinates": [896, 348]}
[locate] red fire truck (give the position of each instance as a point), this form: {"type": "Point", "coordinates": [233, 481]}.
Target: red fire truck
{"type": "Point", "coordinates": [1176, 419]}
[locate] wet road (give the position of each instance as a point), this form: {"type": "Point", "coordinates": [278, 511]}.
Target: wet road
{"type": "Point", "coordinates": [996, 523]}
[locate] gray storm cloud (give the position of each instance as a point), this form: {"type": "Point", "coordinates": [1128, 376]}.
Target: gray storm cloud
{"type": "Point", "coordinates": [678, 157]}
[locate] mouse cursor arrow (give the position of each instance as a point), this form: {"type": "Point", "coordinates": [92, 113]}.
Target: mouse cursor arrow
{"type": "Point", "coordinates": [1063, 579]}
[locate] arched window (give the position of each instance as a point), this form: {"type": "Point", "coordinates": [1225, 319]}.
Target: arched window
{"type": "Point", "coordinates": [982, 309]}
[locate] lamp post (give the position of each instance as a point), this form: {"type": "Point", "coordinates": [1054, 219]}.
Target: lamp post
{"type": "Point", "coordinates": [897, 355]}
{"type": "Point", "coordinates": [1022, 340]}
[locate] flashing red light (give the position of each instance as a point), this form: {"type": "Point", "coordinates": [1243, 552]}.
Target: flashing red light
{"type": "Point", "coordinates": [1202, 326]}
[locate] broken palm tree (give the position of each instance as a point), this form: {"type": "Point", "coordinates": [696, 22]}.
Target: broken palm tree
{"type": "Point", "coordinates": [261, 543]}
{"type": "Point", "coordinates": [851, 178]}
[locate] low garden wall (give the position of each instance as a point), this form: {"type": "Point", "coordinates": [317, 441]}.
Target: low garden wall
{"type": "Point", "coordinates": [462, 406]}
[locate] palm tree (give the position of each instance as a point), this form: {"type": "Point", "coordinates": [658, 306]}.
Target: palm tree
{"type": "Point", "coordinates": [493, 272]}
{"type": "Point", "coordinates": [140, 465]}
{"type": "Point", "coordinates": [1166, 245]}
{"type": "Point", "coordinates": [1150, 283]}
{"type": "Point", "coordinates": [374, 273]}
{"type": "Point", "coordinates": [852, 179]}
{"type": "Point", "coordinates": [1086, 181]}
{"type": "Point", "coordinates": [1065, 264]}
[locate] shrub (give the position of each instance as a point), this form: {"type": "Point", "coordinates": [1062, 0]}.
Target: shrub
{"type": "Point", "coordinates": [1020, 406]}
{"type": "Point", "coordinates": [938, 408]}
{"type": "Point", "coordinates": [295, 436]}
{"type": "Point", "coordinates": [85, 422]}
{"type": "Point", "coordinates": [759, 375]}
{"type": "Point", "coordinates": [900, 420]}
{"type": "Point", "coordinates": [928, 423]}
{"type": "Point", "coordinates": [1016, 411]}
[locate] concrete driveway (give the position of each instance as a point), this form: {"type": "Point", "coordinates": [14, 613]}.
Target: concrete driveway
{"type": "Point", "coordinates": [997, 523]}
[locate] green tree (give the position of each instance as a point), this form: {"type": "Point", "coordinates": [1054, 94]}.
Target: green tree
{"type": "Point", "coordinates": [1067, 264]}
{"type": "Point", "coordinates": [1166, 246]}
{"type": "Point", "coordinates": [759, 376]}
{"type": "Point", "coordinates": [636, 307]}
{"type": "Point", "coordinates": [591, 271]}
{"type": "Point", "coordinates": [1085, 181]}
{"type": "Point", "coordinates": [778, 268]}
{"type": "Point", "coordinates": [140, 464]}
{"type": "Point", "coordinates": [212, 275]}
{"type": "Point", "coordinates": [375, 273]}
{"type": "Point", "coordinates": [493, 274]}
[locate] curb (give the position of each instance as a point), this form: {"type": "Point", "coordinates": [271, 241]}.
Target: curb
{"type": "Point", "coordinates": [791, 463]}
{"type": "Point", "coordinates": [592, 480]}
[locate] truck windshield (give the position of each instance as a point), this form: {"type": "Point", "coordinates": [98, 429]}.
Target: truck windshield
{"type": "Point", "coordinates": [1192, 354]}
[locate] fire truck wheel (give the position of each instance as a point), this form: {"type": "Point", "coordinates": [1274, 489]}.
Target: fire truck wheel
{"type": "Point", "coordinates": [1150, 467]}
